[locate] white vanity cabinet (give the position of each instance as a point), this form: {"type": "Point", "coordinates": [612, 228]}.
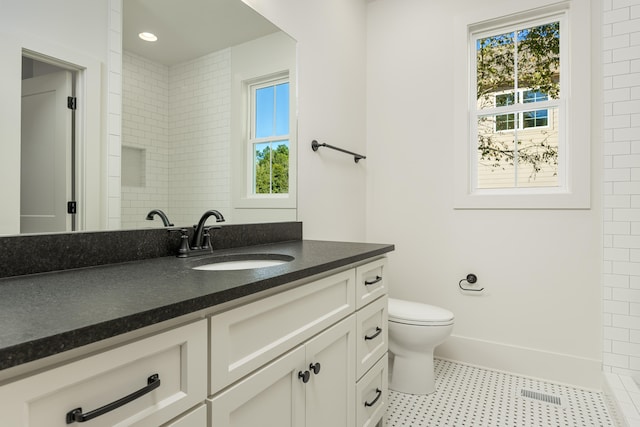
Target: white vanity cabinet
{"type": "Point", "coordinates": [264, 355]}
{"type": "Point", "coordinates": [166, 369]}
{"type": "Point", "coordinates": [372, 345]}
{"type": "Point", "coordinates": [252, 335]}
{"type": "Point", "coordinates": [314, 327]}
{"type": "Point", "coordinates": [372, 391]}
{"type": "Point", "coordinates": [289, 393]}
{"type": "Point", "coordinates": [312, 355]}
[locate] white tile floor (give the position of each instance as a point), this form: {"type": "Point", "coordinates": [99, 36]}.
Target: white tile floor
{"type": "Point", "coordinates": [471, 396]}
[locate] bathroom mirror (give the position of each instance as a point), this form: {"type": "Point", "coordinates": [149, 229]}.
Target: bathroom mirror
{"type": "Point", "coordinates": [185, 108]}
{"type": "Point", "coordinates": [186, 111]}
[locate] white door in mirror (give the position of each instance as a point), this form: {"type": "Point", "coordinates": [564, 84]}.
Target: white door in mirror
{"type": "Point", "coordinates": [45, 182]}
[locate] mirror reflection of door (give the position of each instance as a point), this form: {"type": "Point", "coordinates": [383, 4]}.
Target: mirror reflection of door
{"type": "Point", "coordinates": [46, 150]}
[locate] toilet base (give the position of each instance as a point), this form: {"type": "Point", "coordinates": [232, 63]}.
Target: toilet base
{"type": "Point", "coordinates": [412, 374]}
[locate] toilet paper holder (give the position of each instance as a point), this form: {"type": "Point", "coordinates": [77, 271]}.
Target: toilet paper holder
{"type": "Point", "coordinates": [471, 279]}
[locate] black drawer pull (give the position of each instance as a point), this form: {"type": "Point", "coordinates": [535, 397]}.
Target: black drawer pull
{"type": "Point", "coordinates": [373, 282]}
{"type": "Point", "coordinates": [375, 334]}
{"type": "Point", "coordinates": [76, 416]}
{"type": "Point", "coordinates": [373, 402]}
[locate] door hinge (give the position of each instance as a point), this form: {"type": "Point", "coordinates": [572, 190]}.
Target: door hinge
{"type": "Point", "coordinates": [71, 102]}
{"type": "Point", "coordinates": [72, 207]}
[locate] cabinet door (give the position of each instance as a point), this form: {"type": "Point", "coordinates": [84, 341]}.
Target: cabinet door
{"type": "Point", "coordinates": [330, 393]}
{"type": "Point", "coordinates": [272, 396]}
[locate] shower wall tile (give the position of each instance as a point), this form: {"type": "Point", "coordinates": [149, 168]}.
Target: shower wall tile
{"type": "Point", "coordinates": [145, 127]}
{"type": "Point", "coordinates": [114, 101]}
{"type": "Point", "coordinates": [180, 116]}
{"type": "Point", "coordinates": [621, 252]}
{"type": "Point", "coordinates": [199, 135]}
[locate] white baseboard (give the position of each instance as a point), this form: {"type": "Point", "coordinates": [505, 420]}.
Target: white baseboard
{"type": "Point", "coordinates": [529, 362]}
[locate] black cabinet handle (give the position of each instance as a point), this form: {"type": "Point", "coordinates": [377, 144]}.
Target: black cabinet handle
{"type": "Point", "coordinates": [375, 334]}
{"type": "Point", "coordinates": [315, 367]}
{"type": "Point", "coordinates": [304, 376]}
{"type": "Point", "coordinates": [372, 282]}
{"type": "Point", "coordinates": [373, 402]}
{"type": "Point", "coordinates": [76, 416]}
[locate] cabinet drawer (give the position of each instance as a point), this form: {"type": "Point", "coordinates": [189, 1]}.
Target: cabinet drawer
{"type": "Point", "coordinates": [178, 357]}
{"type": "Point", "coordinates": [372, 394]}
{"type": "Point", "coordinates": [249, 336]}
{"type": "Point", "coordinates": [195, 418]}
{"type": "Point", "coordinates": [371, 282]}
{"type": "Point", "coordinates": [372, 334]}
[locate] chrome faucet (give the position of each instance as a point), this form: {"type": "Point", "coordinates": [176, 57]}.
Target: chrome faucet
{"type": "Point", "coordinates": [163, 217]}
{"type": "Point", "coordinates": [201, 238]}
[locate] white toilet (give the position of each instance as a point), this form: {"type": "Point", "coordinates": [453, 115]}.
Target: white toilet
{"type": "Point", "coordinates": [415, 329]}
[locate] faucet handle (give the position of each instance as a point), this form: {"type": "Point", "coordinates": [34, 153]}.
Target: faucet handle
{"type": "Point", "coordinates": [206, 237]}
{"type": "Point", "coordinates": [183, 251]}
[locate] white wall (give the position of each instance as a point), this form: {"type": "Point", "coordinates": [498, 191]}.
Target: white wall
{"type": "Point", "coordinates": [621, 278]}
{"type": "Point", "coordinates": [540, 313]}
{"type": "Point", "coordinates": [331, 105]}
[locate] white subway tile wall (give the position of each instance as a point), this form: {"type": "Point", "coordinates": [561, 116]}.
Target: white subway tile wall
{"type": "Point", "coordinates": [114, 106]}
{"type": "Point", "coordinates": [145, 126]}
{"type": "Point", "coordinates": [621, 278]}
{"type": "Point", "coordinates": [180, 116]}
{"type": "Point", "coordinates": [199, 137]}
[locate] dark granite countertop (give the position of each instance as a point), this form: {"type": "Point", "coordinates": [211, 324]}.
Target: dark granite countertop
{"type": "Point", "coordinates": [46, 314]}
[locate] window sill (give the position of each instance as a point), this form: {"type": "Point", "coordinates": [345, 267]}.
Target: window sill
{"type": "Point", "coordinates": [266, 202]}
{"type": "Point", "coordinates": [487, 199]}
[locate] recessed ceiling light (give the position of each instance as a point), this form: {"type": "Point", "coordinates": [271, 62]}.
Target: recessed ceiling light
{"type": "Point", "coordinates": [149, 37]}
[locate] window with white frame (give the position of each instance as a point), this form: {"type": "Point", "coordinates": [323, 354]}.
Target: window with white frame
{"type": "Point", "coordinates": [268, 137]}
{"type": "Point", "coordinates": [524, 82]}
{"type": "Point", "coordinates": [518, 105]}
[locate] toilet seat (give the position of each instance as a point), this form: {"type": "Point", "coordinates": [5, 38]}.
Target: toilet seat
{"type": "Point", "coordinates": [419, 314]}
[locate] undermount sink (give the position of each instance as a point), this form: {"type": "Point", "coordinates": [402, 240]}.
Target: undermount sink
{"type": "Point", "coordinates": [242, 262]}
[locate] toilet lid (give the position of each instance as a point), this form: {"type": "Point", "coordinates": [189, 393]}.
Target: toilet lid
{"type": "Point", "coordinates": [418, 313]}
